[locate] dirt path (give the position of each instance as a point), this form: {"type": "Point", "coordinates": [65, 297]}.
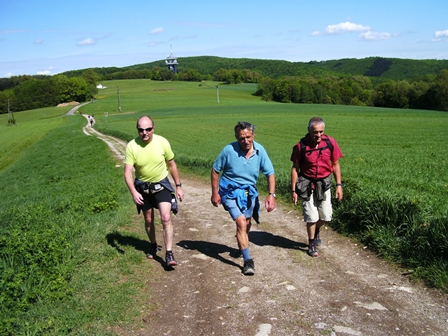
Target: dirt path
{"type": "Point", "coordinates": [345, 291]}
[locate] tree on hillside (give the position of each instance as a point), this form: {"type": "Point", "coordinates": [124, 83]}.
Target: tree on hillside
{"type": "Point", "coordinates": [6, 95]}
{"type": "Point", "coordinates": [393, 94]}
{"type": "Point", "coordinates": [34, 93]}
{"type": "Point", "coordinates": [440, 88]}
{"type": "Point", "coordinates": [72, 89]}
{"type": "Point", "coordinates": [92, 79]}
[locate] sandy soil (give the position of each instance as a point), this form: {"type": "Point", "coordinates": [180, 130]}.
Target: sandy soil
{"type": "Point", "coordinates": [347, 290]}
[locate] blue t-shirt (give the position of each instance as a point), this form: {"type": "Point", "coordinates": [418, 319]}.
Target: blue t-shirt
{"type": "Point", "coordinates": [236, 168]}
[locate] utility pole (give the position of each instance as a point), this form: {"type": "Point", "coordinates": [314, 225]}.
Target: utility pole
{"type": "Point", "coordinates": [11, 120]}
{"type": "Point", "coordinates": [118, 92]}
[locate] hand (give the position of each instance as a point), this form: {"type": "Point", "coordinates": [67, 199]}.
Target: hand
{"type": "Point", "coordinates": [180, 193]}
{"type": "Point", "coordinates": [339, 193]}
{"type": "Point", "coordinates": [138, 198]}
{"type": "Point", "coordinates": [294, 198]}
{"type": "Point", "coordinates": [270, 203]}
{"type": "Point", "coordinates": [216, 200]}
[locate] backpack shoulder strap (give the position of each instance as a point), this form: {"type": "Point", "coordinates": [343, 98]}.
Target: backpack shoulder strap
{"type": "Point", "coordinates": [329, 144]}
{"type": "Point", "coordinates": [302, 150]}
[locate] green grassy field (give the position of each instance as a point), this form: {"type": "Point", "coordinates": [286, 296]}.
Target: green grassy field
{"type": "Point", "coordinates": [383, 148]}
{"type": "Point", "coordinates": [394, 164]}
{"type": "Point", "coordinates": [55, 264]}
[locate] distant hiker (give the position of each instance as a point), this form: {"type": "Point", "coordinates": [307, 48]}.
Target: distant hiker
{"type": "Point", "coordinates": [314, 159]}
{"type": "Point", "coordinates": [152, 158]}
{"type": "Point", "coordinates": [240, 163]}
{"type": "Point", "coordinates": [92, 120]}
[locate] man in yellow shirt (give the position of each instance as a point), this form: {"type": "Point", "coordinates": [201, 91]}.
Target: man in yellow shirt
{"type": "Point", "coordinates": [152, 158]}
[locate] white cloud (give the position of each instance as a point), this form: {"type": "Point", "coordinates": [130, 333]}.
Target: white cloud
{"type": "Point", "coordinates": [374, 36]}
{"type": "Point", "coordinates": [38, 41]}
{"type": "Point", "coordinates": [46, 72]}
{"type": "Point", "coordinates": [87, 41]}
{"type": "Point", "coordinates": [341, 28]}
{"type": "Point", "coordinates": [440, 33]}
{"type": "Point", "coordinates": [157, 31]}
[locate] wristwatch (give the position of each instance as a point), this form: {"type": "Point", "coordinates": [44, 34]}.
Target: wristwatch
{"type": "Point", "coordinates": [272, 194]}
{"type": "Point", "coordinates": [179, 185]}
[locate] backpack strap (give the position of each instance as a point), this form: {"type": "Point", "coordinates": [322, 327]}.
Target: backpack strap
{"type": "Point", "coordinates": [303, 149]}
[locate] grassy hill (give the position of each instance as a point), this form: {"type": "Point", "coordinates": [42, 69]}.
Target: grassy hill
{"type": "Point", "coordinates": [381, 68]}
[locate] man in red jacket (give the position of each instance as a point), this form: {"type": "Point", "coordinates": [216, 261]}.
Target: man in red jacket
{"type": "Point", "coordinates": [315, 158]}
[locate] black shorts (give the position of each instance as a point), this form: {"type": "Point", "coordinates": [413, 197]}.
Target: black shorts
{"type": "Point", "coordinates": [153, 200]}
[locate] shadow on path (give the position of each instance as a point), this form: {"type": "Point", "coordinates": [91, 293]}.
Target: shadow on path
{"type": "Point", "coordinates": [212, 250]}
{"type": "Point", "coordinates": [262, 238]}
{"type": "Point", "coordinates": [116, 240]}
{"type": "Point", "coordinates": [215, 250]}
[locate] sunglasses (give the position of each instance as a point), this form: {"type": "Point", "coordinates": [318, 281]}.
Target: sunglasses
{"type": "Point", "coordinates": [149, 129]}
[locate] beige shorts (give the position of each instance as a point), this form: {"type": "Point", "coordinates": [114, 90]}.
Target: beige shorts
{"type": "Point", "coordinates": [314, 210]}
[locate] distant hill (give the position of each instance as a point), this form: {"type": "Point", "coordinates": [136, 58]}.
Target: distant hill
{"type": "Point", "coordinates": [378, 67]}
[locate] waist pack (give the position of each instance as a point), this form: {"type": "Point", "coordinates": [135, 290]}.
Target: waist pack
{"type": "Point", "coordinates": [147, 187]}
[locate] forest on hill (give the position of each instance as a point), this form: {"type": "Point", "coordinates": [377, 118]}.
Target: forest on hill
{"type": "Point", "coordinates": [373, 81]}
{"type": "Point", "coordinates": [375, 67]}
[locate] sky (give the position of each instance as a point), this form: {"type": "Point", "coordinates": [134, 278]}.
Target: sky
{"type": "Point", "coordinates": [49, 37]}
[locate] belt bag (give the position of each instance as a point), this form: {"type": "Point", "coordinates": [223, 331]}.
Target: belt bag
{"type": "Point", "coordinates": [148, 187]}
{"type": "Point", "coordinates": [155, 187]}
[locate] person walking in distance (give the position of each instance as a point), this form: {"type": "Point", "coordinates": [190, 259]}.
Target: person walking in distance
{"type": "Point", "coordinates": [152, 158]}
{"type": "Point", "coordinates": [315, 158]}
{"type": "Point", "coordinates": [240, 163]}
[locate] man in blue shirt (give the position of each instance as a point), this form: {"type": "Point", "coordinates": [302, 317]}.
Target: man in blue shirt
{"type": "Point", "coordinates": [240, 163]}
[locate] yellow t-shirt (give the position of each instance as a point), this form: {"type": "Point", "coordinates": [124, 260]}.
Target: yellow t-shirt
{"type": "Point", "coordinates": [149, 160]}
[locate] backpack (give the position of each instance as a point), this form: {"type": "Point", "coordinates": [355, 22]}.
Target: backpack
{"type": "Point", "coordinates": [303, 149]}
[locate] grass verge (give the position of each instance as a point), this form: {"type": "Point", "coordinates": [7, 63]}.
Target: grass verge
{"type": "Point", "coordinates": [70, 261]}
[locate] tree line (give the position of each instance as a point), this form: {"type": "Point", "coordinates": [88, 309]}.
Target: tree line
{"type": "Point", "coordinates": [429, 93]}
{"type": "Point", "coordinates": [20, 93]}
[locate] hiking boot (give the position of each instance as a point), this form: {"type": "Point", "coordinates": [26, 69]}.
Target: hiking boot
{"type": "Point", "coordinates": [317, 239]}
{"type": "Point", "coordinates": [249, 267]}
{"type": "Point", "coordinates": [312, 250]}
{"type": "Point", "coordinates": [169, 258]}
{"type": "Point", "coordinates": [153, 250]}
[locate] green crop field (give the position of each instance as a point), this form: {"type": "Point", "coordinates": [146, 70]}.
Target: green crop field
{"type": "Point", "coordinates": [54, 262]}
{"type": "Point", "coordinates": [401, 151]}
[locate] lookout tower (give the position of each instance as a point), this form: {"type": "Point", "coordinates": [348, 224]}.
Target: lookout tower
{"type": "Point", "coordinates": [171, 62]}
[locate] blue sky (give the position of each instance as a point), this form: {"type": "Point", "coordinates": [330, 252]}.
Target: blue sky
{"type": "Point", "coordinates": [49, 37]}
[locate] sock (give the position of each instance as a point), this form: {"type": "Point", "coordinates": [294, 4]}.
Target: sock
{"type": "Point", "coordinates": [246, 254]}
{"type": "Point", "coordinates": [311, 242]}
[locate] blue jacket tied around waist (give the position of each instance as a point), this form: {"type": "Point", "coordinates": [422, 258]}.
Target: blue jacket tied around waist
{"type": "Point", "coordinates": [243, 194]}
